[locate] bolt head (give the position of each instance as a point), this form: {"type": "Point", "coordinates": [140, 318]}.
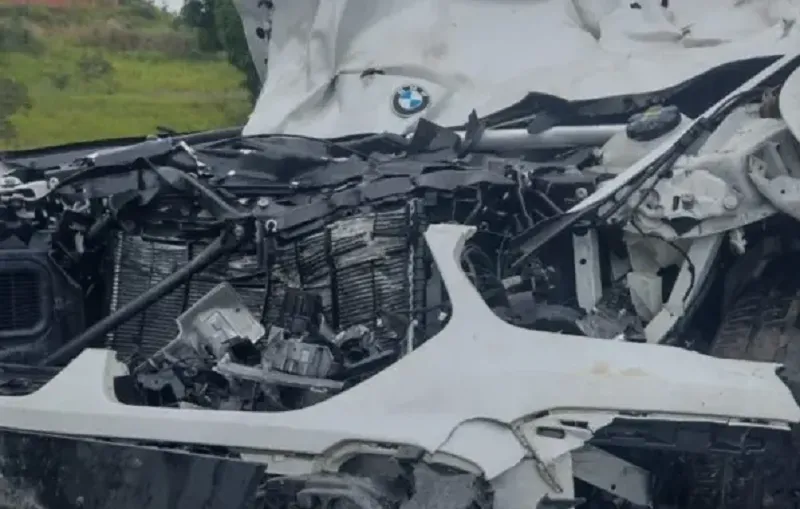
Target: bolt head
{"type": "Point", "coordinates": [730, 202]}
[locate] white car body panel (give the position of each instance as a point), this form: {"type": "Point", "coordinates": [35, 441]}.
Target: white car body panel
{"type": "Point", "coordinates": [486, 54]}
{"type": "Point", "coordinates": [789, 102]}
{"type": "Point", "coordinates": [433, 397]}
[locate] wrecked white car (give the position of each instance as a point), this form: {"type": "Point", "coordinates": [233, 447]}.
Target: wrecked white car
{"type": "Point", "coordinates": [405, 284]}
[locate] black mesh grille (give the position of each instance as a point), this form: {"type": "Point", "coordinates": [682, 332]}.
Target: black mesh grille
{"type": "Point", "coordinates": [20, 300]}
{"type": "Point", "coordinates": [143, 263]}
{"type": "Point", "coordinates": [359, 267]}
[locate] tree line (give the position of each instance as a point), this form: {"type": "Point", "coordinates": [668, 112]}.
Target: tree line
{"type": "Point", "coordinates": [219, 28]}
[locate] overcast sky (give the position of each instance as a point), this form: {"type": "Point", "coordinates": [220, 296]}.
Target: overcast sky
{"type": "Point", "coordinates": [172, 5]}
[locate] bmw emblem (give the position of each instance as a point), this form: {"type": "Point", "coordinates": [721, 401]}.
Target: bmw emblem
{"type": "Point", "coordinates": [409, 100]}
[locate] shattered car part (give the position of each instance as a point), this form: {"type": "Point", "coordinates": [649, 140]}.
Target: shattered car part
{"type": "Point", "coordinates": [210, 324]}
{"type": "Point", "coordinates": [301, 358]}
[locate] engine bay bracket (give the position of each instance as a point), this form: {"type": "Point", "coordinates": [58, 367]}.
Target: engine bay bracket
{"type": "Point", "coordinates": [588, 282]}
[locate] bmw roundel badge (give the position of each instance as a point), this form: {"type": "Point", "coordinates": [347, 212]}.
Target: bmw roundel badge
{"type": "Point", "coordinates": [409, 100]}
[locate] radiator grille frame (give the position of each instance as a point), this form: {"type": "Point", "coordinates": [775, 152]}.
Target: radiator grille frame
{"type": "Point", "coordinates": [11, 263]}
{"type": "Point", "coordinates": [316, 262]}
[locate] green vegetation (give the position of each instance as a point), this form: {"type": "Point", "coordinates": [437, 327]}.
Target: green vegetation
{"type": "Point", "coordinates": [82, 74]}
{"type": "Point", "coordinates": [219, 29]}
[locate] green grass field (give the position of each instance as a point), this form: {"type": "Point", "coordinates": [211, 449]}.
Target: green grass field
{"type": "Point", "coordinates": [108, 74]}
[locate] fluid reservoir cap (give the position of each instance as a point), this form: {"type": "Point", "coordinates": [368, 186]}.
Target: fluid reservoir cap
{"type": "Point", "coordinates": [653, 123]}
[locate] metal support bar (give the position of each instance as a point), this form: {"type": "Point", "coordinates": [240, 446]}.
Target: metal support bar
{"type": "Point", "coordinates": [555, 137]}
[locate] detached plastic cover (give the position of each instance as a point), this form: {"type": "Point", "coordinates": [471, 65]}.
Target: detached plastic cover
{"type": "Point", "coordinates": [214, 320]}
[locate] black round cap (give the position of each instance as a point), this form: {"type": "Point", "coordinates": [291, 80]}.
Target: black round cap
{"type": "Point", "coordinates": [653, 123]}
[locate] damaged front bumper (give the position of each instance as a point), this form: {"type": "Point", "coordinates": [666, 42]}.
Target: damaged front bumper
{"type": "Point", "coordinates": [485, 397]}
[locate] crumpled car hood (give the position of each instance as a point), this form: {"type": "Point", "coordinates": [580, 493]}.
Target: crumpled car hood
{"type": "Point", "coordinates": [335, 65]}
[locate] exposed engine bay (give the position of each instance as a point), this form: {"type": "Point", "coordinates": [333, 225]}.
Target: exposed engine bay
{"type": "Point", "coordinates": [283, 274]}
{"type": "Point", "coordinates": [297, 266]}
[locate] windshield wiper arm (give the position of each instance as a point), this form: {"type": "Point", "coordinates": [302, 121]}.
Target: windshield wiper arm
{"type": "Point", "coordinates": [648, 166]}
